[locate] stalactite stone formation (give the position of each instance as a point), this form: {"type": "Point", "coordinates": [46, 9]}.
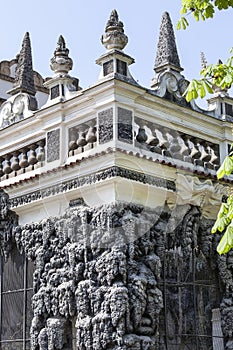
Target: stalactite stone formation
{"type": "Point", "coordinates": [102, 285]}
{"type": "Point", "coordinates": [106, 290]}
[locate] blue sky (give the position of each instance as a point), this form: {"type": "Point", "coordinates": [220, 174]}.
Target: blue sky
{"type": "Point", "coordinates": [82, 24]}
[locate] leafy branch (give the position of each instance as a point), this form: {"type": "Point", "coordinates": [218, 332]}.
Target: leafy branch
{"type": "Point", "coordinates": [213, 76]}
{"type": "Point", "coordinates": [201, 10]}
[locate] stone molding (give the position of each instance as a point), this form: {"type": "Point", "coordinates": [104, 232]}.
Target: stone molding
{"type": "Point", "coordinates": [92, 179]}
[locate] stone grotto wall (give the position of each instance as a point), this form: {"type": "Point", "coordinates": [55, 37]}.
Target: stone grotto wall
{"type": "Point", "coordinates": [124, 277]}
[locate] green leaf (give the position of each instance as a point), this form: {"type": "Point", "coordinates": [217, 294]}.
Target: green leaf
{"type": "Point", "coordinates": [208, 87]}
{"type": "Point", "coordinates": [178, 25]}
{"type": "Point", "coordinates": [226, 242]}
{"type": "Point", "coordinates": [183, 10]}
{"type": "Point", "coordinates": [196, 15]}
{"type": "Point", "coordinates": [228, 78]}
{"type": "Point", "coordinates": [226, 168]}
{"type": "Point", "coordinates": [220, 224]}
{"type": "Point", "coordinates": [189, 96]}
{"type": "Point", "coordinates": [209, 11]}
{"type": "Point", "coordinates": [202, 91]}
{"type": "Point", "coordinates": [184, 22]}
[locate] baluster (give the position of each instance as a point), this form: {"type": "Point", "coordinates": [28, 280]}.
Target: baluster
{"type": "Point", "coordinates": [7, 166]}
{"type": "Point", "coordinates": [15, 161]}
{"type": "Point", "coordinates": [32, 160]}
{"type": "Point", "coordinates": [41, 152]}
{"type": "Point", "coordinates": [24, 159]}
{"type": "Point", "coordinates": [214, 159]}
{"type": "Point", "coordinates": [175, 147]}
{"type": "Point", "coordinates": [72, 141]}
{"type": "Point", "coordinates": [81, 141]}
{"type": "Point", "coordinates": [204, 156]}
{"type": "Point", "coordinates": [168, 137]}
{"type": "Point", "coordinates": [163, 142]}
{"type": "Point", "coordinates": [153, 142]}
{"type": "Point", "coordinates": [186, 148]}
{"type": "Point", "coordinates": [195, 152]}
{"type": "Point", "coordinates": [141, 136]}
{"type": "Point", "coordinates": [215, 156]}
{"type": "Point", "coordinates": [91, 134]}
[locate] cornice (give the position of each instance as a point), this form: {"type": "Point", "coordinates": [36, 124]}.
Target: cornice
{"type": "Point", "coordinates": [78, 182]}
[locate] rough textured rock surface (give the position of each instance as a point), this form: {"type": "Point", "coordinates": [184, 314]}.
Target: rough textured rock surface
{"type": "Point", "coordinates": [93, 275]}
{"type": "Point", "coordinates": [125, 277]}
{"type": "Point", "coordinates": [8, 220]}
{"type": "Point", "coordinates": [167, 50]}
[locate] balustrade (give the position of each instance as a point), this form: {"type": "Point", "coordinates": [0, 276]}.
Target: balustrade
{"type": "Point", "coordinates": [82, 137]}
{"type": "Point", "coordinates": [20, 161]}
{"type": "Point", "coordinates": [175, 144]}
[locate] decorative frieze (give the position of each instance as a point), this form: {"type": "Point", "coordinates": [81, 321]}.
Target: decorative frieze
{"type": "Point", "coordinates": [91, 179]}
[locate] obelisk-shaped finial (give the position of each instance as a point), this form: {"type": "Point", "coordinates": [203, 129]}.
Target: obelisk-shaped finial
{"type": "Point", "coordinates": [167, 54]}
{"type": "Point", "coordinates": [24, 76]}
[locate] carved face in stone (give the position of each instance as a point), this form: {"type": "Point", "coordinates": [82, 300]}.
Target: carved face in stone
{"type": "Point", "coordinates": [6, 111]}
{"type": "Point", "coordinates": [18, 106]}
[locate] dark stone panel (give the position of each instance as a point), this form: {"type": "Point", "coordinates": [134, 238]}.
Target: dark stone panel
{"type": "Point", "coordinates": [53, 145]}
{"type": "Point", "coordinates": [105, 120]}
{"type": "Point", "coordinates": [125, 130]}
{"type": "Point", "coordinates": [54, 92]}
{"type": "Point", "coordinates": [108, 67]}
{"type": "Point", "coordinates": [121, 67]}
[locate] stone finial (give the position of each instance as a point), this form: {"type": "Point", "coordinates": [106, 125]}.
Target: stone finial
{"type": "Point", "coordinates": [114, 37]}
{"type": "Point", "coordinates": [61, 63]}
{"type": "Point", "coordinates": [166, 51]}
{"type": "Point", "coordinates": [24, 76]}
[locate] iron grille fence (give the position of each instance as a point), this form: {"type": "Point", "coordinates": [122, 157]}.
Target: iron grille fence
{"type": "Point", "coordinates": [15, 301]}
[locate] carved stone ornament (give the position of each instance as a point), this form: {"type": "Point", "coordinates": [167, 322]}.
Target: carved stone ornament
{"type": "Point", "coordinates": [114, 37]}
{"type": "Point", "coordinates": [16, 108]}
{"type": "Point", "coordinates": [61, 63]}
{"type": "Point", "coordinates": [24, 74]}
{"type": "Point", "coordinates": [167, 51]}
{"type": "Point", "coordinates": [202, 193]}
{"type": "Point", "coordinates": [171, 85]}
{"type": "Point", "coordinates": [92, 179]}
